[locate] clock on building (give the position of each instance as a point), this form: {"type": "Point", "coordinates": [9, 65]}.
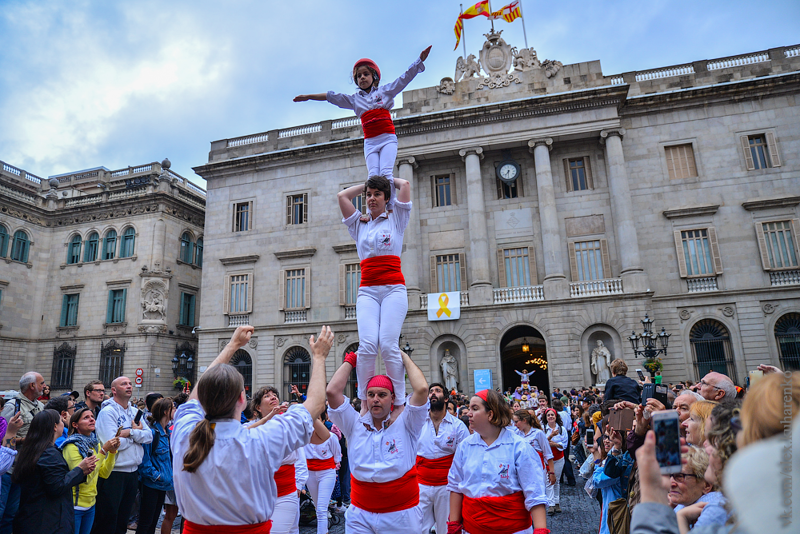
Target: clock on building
{"type": "Point", "coordinates": [508, 171]}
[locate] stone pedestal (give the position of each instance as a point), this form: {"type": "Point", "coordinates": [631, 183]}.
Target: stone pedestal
{"type": "Point", "coordinates": [411, 259]}
{"type": "Point", "coordinates": [481, 287]}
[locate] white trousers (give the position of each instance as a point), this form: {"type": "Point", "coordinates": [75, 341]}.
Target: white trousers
{"type": "Point", "coordinates": [358, 521]}
{"type": "Point", "coordinates": [434, 507]}
{"type": "Point", "coordinates": [286, 516]}
{"type": "Point", "coordinates": [554, 490]}
{"type": "Point", "coordinates": [380, 311]}
{"type": "Point", "coordinates": [320, 484]}
{"type": "Point", "coordinates": [528, 530]}
{"type": "Point", "coordinates": [380, 152]}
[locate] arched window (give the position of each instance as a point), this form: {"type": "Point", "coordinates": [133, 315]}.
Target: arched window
{"type": "Point", "coordinates": [244, 364]}
{"type": "Point", "coordinates": [186, 248]}
{"type": "Point", "coordinates": [3, 241]}
{"type": "Point", "coordinates": [110, 245]}
{"type": "Point", "coordinates": [21, 246]}
{"type": "Point", "coordinates": [198, 253]}
{"type": "Point", "coordinates": [296, 371]}
{"type": "Point", "coordinates": [90, 248]}
{"type": "Point", "coordinates": [74, 250]}
{"type": "Point", "coordinates": [126, 247]}
{"type": "Point", "coordinates": [787, 333]}
{"type": "Point", "coordinates": [351, 390]}
{"type": "Point", "coordinates": [711, 349]}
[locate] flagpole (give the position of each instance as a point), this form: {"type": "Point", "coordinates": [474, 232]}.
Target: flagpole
{"type": "Point", "coordinates": [463, 31]}
{"type": "Point", "coordinates": [490, 15]}
{"type": "Point", "coordinates": [522, 16]}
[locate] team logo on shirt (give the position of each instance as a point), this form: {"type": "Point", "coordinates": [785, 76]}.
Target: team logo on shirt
{"type": "Point", "coordinates": [451, 442]}
{"type": "Point", "coordinates": [503, 470]}
{"type": "Point", "coordinates": [384, 240]}
{"type": "Point", "coordinates": [392, 447]}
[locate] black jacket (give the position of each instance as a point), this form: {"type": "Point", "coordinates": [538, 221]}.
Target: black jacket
{"type": "Point", "coordinates": [622, 388]}
{"type": "Point", "coordinates": [46, 501]}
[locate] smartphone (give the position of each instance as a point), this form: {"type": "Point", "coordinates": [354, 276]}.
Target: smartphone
{"type": "Point", "coordinates": [119, 431]}
{"type": "Point", "coordinates": [17, 406]}
{"type": "Point", "coordinates": [668, 441]}
{"type": "Point", "coordinates": [621, 420]}
{"type": "Point", "coordinates": [641, 374]}
{"type": "Point", "coordinates": [679, 386]}
{"type": "Point", "coordinates": [755, 376]}
{"type": "Point", "coordinates": [590, 437]}
{"type": "Point", "coordinates": [654, 391]}
{"type": "Point", "coordinates": [139, 414]}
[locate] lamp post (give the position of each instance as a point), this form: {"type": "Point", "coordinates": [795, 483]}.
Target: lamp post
{"type": "Point", "coordinates": [652, 344]}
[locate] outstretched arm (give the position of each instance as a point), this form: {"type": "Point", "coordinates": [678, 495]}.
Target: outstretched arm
{"type": "Point", "coordinates": [316, 96]}
{"type": "Point", "coordinates": [240, 338]}
{"type": "Point", "coordinates": [337, 384]}
{"type": "Point", "coordinates": [315, 396]}
{"type": "Point", "coordinates": [418, 382]}
{"type": "Point", "coordinates": [402, 190]}
{"type": "Point", "coordinates": [346, 199]}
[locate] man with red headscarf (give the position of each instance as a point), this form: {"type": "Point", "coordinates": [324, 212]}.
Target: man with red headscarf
{"type": "Point", "coordinates": [384, 488]}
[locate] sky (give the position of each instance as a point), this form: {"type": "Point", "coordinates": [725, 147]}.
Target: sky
{"type": "Point", "coordinates": [116, 83]}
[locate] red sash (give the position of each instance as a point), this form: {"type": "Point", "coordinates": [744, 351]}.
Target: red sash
{"type": "Point", "coordinates": [541, 456]}
{"type": "Point", "coordinates": [495, 515]}
{"type": "Point", "coordinates": [381, 271]}
{"type": "Point", "coordinates": [385, 497]}
{"type": "Point", "coordinates": [434, 472]}
{"type": "Point", "coordinates": [320, 465]}
{"type": "Point", "coordinates": [557, 454]}
{"type": "Point", "coordinates": [376, 122]}
{"type": "Point", "coordinates": [285, 480]}
{"type": "Point", "coordinates": [194, 528]}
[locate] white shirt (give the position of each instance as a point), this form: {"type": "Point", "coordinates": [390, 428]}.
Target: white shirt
{"type": "Point", "coordinates": [235, 485]}
{"type": "Point", "coordinates": [560, 438]}
{"type": "Point", "coordinates": [385, 454]}
{"type": "Point", "coordinates": [328, 449]}
{"type": "Point", "coordinates": [377, 98]}
{"type": "Point", "coordinates": [506, 466]}
{"type": "Point", "coordinates": [382, 236]}
{"type": "Point", "coordinates": [451, 432]}
{"type": "Point", "coordinates": [538, 441]}
{"type": "Point", "coordinates": [566, 418]}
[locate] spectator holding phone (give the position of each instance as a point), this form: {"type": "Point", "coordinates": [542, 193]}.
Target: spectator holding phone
{"type": "Point", "coordinates": [115, 494]}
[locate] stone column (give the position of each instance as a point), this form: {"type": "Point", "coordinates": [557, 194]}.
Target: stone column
{"type": "Point", "coordinates": [159, 241]}
{"type": "Point", "coordinates": [411, 256]}
{"type": "Point", "coordinates": [555, 282]}
{"type": "Point", "coordinates": [480, 290]}
{"type": "Point", "coordinates": [633, 276]}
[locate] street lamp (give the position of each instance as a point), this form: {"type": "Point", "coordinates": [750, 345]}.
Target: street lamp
{"type": "Point", "coordinates": [525, 347]}
{"type": "Point", "coordinates": [407, 349]}
{"type": "Point", "coordinates": [653, 344]}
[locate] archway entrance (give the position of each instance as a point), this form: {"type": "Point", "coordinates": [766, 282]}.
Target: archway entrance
{"type": "Point", "coordinates": [521, 348]}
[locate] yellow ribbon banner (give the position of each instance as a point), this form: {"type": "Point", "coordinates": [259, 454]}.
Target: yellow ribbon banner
{"type": "Point", "coordinates": [443, 301]}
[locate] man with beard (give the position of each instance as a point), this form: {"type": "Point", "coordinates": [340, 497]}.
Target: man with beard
{"type": "Point", "coordinates": [435, 449]}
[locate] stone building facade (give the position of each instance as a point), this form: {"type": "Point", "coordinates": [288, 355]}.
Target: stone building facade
{"type": "Point", "coordinates": [671, 192]}
{"type": "Point", "coordinates": [100, 275]}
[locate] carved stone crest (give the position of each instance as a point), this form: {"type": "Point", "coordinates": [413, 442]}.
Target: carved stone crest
{"type": "Point", "coordinates": [280, 341]}
{"type": "Point", "coordinates": [768, 308]}
{"type": "Point", "coordinates": [525, 59]}
{"type": "Point", "coordinates": [154, 300]}
{"type": "Point", "coordinates": [685, 315]}
{"type": "Point", "coordinates": [222, 343]}
{"type": "Point", "coordinates": [551, 67]}
{"type": "Point", "coordinates": [447, 86]}
{"type": "Point", "coordinates": [499, 80]}
{"type": "Point", "coordinates": [341, 338]}
{"type": "Point", "coordinates": [496, 54]}
{"type": "Point", "coordinates": [253, 342]}
{"type": "Point", "coordinates": [727, 311]}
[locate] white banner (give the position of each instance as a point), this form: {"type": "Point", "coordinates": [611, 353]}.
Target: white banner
{"type": "Point", "coordinates": [444, 306]}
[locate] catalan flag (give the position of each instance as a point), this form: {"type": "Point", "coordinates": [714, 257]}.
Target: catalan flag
{"type": "Point", "coordinates": [507, 13]}
{"type": "Point", "coordinates": [458, 29]}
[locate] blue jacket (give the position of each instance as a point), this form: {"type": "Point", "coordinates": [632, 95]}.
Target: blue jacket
{"type": "Point", "coordinates": [155, 470]}
{"type": "Point", "coordinates": [611, 490]}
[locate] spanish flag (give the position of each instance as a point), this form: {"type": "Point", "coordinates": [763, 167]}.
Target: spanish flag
{"type": "Point", "coordinates": [481, 8]}
{"type": "Point", "coordinates": [507, 13]}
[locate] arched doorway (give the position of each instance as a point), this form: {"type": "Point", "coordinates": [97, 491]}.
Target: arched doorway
{"type": "Point", "coordinates": [296, 371]}
{"type": "Point", "coordinates": [711, 349]}
{"type": "Point", "coordinates": [244, 364]}
{"type": "Point", "coordinates": [787, 333]}
{"type": "Point", "coordinates": [521, 348]}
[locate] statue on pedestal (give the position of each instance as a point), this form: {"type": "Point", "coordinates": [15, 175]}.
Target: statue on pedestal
{"type": "Point", "coordinates": [601, 363]}
{"type": "Point", "coordinates": [449, 367]}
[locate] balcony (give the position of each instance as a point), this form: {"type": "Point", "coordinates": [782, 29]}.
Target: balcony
{"type": "Point", "coordinates": [238, 320]}
{"type": "Point", "coordinates": [784, 278]}
{"type": "Point", "coordinates": [349, 313]}
{"type": "Point", "coordinates": [595, 288]}
{"type": "Point", "coordinates": [423, 300]}
{"type": "Point", "coordinates": [300, 316]}
{"type": "Point", "coordinates": [507, 295]}
{"type": "Point", "coordinates": [704, 284]}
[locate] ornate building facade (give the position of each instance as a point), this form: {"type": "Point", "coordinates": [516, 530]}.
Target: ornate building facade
{"type": "Point", "coordinates": [560, 203]}
{"type": "Point", "coordinates": [100, 275]}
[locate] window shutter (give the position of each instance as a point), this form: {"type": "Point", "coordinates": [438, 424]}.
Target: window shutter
{"type": "Point", "coordinates": [588, 169]}
{"type": "Point", "coordinates": [606, 259]}
{"type": "Point", "coordinates": [289, 209]}
{"type": "Point", "coordinates": [307, 286]}
{"type": "Point", "coordinates": [796, 235]}
{"type": "Point", "coordinates": [453, 199]}
{"type": "Point", "coordinates": [532, 262]}
{"type": "Point", "coordinates": [762, 246]}
{"type": "Point", "coordinates": [434, 203]}
{"type": "Point", "coordinates": [305, 207]}
{"type": "Point", "coordinates": [63, 311]}
{"type": "Point", "coordinates": [501, 268]}
{"type": "Point", "coordinates": [434, 281]}
{"type": "Point", "coordinates": [342, 284]}
{"type": "Point", "coordinates": [124, 301]}
{"type": "Point", "coordinates": [182, 318]}
{"type": "Point", "coordinates": [192, 299]}
{"type": "Point", "coordinates": [462, 262]}
{"type": "Point", "coordinates": [499, 183]}
{"type": "Point", "coordinates": [748, 156]}
{"type": "Point", "coordinates": [712, 239]}
{"type": "Point", "coordinates": [567, 175]}
{"type": "Point", "coordinates": [573, 262]}
{"type": "Point", "coordinates": [775, 159]}
{"type": "Point", "coordinates": [520, 190]}
{"type": "Point", "coordinates": [226, 295]}
{"type": "Point", "coordinates": [77, 304]}
{"type": "Point", "coordinates": [110, 307]}
{"type": "Point", "coordinates": [249, 293]}
{"type": "Point", "coordinates": [282, 289]}
{"type": "Point", "coordinates": [680, 255]}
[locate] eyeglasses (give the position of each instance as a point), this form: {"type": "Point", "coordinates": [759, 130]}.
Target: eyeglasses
{"type": "Point", "coordinates": [96, 390]}
{"type": "Point", "coordinates": [606, 438]}
{"type": "Point", "coordinates": [704, 383]}
{"type": "Point", "coordinates": [679, 477]}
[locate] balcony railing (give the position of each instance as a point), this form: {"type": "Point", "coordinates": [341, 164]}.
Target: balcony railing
{"type": "Point", "coordinates": [784, 278]}
{"type": "Point", "coordinates": [595, 288]}
{"type": "Point", "coordinates": [300, 316]}
{"type": "Point", "coordinates": [238, 320]}
{"type": "Point", "coordinates": [349, 312]}
{"type": "Point", "coordinates": [506, 295]}
{"type": "Point", "coordinates": [699, 285]}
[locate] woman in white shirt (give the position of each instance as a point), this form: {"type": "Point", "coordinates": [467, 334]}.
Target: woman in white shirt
{"type": "Point", "coordinates": [223, 472]}
{"type": "Point", "coordinates": [528, 428]}
{"type": "Point", "coordinates": [323, 456]}
{"type": "Point", "coordinates": [557, 437]}
{"type": "Point", "coordinates": [496, 480]}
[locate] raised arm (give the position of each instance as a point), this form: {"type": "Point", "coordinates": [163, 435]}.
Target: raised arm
{"type": "Point", "coordinates": [240, 338]}
{"type": "Point", "coordinates": [403, 190]}
{"type": "Point", "coordinates": [315, 396]}
{"type": "Point", "coordinates": [418, 382]}
{"type": "Point", "coordinates": [335, 391]}
{"type": "Point", "coordinates": [321, 430]}
{"type": "Point", "coordinates": [346, 199]}
{"type": "Point", "coordinates": [315, 96]}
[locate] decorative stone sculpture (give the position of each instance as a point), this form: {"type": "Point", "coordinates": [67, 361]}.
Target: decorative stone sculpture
{"type": "Point", "coordinates": [447, 86]}
{"type": "Point", "coordinates": [525, 59]}
{"type": "Point", "coordinates": [154, 300]}
{"type": "Point", "coordinates": [496, 60]}
{"type": "Point", "coordinates": [468, 68]}
{"type": "Point", "coordinates": [449, 367]}
{"type": "Point", "coordinates": [600, 363]}
{"type": "Point", "coordinates": [153, 305]}
{"type": "Point", "coordinates": [551, 67]}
